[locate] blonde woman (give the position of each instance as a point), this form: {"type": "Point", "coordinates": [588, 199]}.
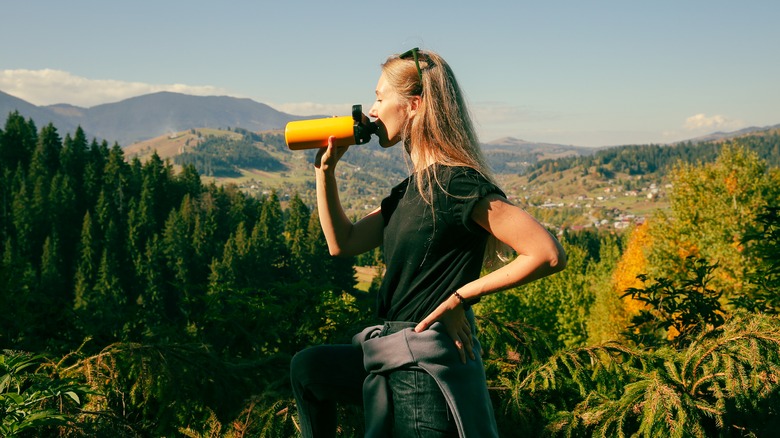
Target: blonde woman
{"type": "Point", "coordinates": [420, 374]}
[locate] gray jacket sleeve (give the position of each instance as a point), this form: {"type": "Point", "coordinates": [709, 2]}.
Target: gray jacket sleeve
{"type": "Point", "coordinates": [463, 385]}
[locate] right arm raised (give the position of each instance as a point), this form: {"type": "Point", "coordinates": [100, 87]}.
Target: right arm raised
{"type": "Point", "coordinates": [343, 237]}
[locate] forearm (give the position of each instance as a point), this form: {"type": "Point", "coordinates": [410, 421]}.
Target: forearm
{"type": "Point", "coordinates": [539, 254]}
{"type": "Point", "coordinates": [335, 224]}
{"type": "Point", "coordinates": [522, 270]}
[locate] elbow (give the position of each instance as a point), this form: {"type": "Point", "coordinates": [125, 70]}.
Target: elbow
{"type": "Point", "coordinates": [556, 260]}
{"type": "Point", "coordinates": [335, 248]}
{"type": "Point", "coordinates": [558, 264]}
{"type": "Point", "coordinates": [339, 251]}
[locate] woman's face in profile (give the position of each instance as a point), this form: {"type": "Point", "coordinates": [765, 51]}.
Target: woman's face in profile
{"type": "Point", "coordinates": [391, 113]}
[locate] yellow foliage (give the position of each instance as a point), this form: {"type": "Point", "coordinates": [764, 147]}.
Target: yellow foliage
{"type": "Point", "coordinates": [687, 249]}
{"type": "Point", "coordinates": [732, 183]}
{"type": "Point", "coordinates": [632, 263]}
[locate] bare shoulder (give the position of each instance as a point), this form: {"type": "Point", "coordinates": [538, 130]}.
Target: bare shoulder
{"type": "Point", "coordinates": [494, 207]}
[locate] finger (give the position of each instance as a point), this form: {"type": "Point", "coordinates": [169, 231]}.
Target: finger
{"type": "Point", "coordinates": [461, 353]}
{"type": "Point", "coordinates": [326, 153]}
{"type": "Point", "coordinates": [465, 335]}
{"type": "Point", "coordinates": [334, 150]}
{"type": "Point", "coordinates": [329, 150]}
{"type": "Point", "coordinates": [423, 325]}
{"type": "Point", "coordinates": [319, 157]}
{"type": "Point", "coordinates": [459, 346]}
{"type": "Point", "coordinates": [469, 346]}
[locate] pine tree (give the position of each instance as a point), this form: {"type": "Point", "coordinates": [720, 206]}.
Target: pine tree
{"type": "Point", "coordinates": [74, 152]}
{"type": "Point", "coordinates": [723, 383]}
{"type": "Point", "coordinates": [316, 250]}
{"type": "Point", "coordinates": [86, 268]}
{"type": "Point", "coordinates": [177, 247]}
{"type": "Point", "coordinates": [17, 142]}
{"type": "Point", "coordinates": [334, 273]}
{"type": "Point", "coordinates": [66, 218]}
{"type": "Point", "coordinates": [5, 206]}
{"type": "Point", "coordinates": [296, 232]}
{"type": "Point", "coordinates": [46, 157]}
{"type": "Point", "coordinates": [188, 181]}
{"type": "Point", "coordinates": [269, 236]}
{"type": "Point", "coordinates": [205, 239]}
{"type": "Point", "coordinates": [53, 293]}
{"type": "Point", "coordinates": [93, 171]}
{"type": "Point", "coordinates": [105, 316]}
{"type": "Point", "coordinates": [18, 278]}
{"type": "Point", "coordinates": [157, 190]}
{"type": "Point", "coordinates": [22, 223]}
{"type": "Point", "coordinates": [116, 182]}
{"type": "Point", "coordinates": [156, 315]}
{"type": "Point", "coordinates": [228, 272]}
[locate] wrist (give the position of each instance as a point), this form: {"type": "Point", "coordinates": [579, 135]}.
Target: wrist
{"type": "Point", "coordinates": [324, 173]}
{"type": "Point", "coordinates": [463, 302]}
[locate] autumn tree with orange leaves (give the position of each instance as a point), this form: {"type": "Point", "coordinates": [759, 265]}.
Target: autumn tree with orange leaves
{"type": "Point", "coordinates": [713, 208]}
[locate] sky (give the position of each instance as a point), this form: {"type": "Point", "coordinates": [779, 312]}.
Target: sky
{"type": "Point", "coordinates": [584, 73]}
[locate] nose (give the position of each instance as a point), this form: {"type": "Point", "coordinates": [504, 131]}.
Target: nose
{"type": "Point", "coordinates": [372, 112]}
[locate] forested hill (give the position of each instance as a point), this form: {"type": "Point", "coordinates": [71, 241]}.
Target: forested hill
{"type": "Point", "coordinates": [649, 159]}
{"type": "Point", "coordinates": [615, 187]}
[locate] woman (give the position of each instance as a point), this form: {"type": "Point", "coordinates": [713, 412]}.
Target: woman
{"type": "Point", "coordinates": [420, 374]}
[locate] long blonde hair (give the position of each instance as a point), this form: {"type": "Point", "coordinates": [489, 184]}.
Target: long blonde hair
{"type": "Point", "coordinates": [441, 131]}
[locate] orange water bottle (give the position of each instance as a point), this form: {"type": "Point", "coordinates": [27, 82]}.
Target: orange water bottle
{"type": "Point", "coordinates": [314, 133]}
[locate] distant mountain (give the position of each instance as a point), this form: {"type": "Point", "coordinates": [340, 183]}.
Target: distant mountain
{"type": "Point", "coordinates": [512, 155]}
{"type": "Point", "coordinates": [40, 115]}
{"type": "Point", "coordinates": [514, 144]}
{"type": "Point", "coordinates": [716, 136]}
{"type": "Point", "coordinates": [148, 116]}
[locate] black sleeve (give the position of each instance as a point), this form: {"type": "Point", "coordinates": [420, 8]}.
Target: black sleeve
{"type": "Point", "coordinates": [390, 203]}
{"type": "Point", "coordinates": [468, 188]}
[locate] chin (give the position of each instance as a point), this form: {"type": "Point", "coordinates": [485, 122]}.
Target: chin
{"type": "Point", "coordinates": [388, 143]}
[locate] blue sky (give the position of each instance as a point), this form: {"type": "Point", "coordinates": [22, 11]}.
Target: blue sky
{"type": "Point", "coordinates": [589, 73]}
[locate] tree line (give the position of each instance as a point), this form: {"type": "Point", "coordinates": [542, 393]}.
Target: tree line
{"type": "Point", "coordinates": [659, 159]}
{"type": "Point", "coordinates": [140, 302]}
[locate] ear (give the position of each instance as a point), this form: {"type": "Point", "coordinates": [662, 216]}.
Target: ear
{"type": "Point", "coordinates": [414, 104]}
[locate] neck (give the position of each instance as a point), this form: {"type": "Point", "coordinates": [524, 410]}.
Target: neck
{"type": "Point", "coordinates": [418, 162]}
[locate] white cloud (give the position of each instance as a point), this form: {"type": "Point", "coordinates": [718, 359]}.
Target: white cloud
{"type": "Point", "coordinates": [702, 122]}
{"type": "Point", "coordinates": [47, 87]}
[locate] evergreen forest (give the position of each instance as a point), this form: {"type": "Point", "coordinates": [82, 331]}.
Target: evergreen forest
{"type": "Point", "coordinates": [138, 301]}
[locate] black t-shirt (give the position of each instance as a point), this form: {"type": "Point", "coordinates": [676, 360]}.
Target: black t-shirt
{"type": "Point", "coordinates": [428, 259]}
